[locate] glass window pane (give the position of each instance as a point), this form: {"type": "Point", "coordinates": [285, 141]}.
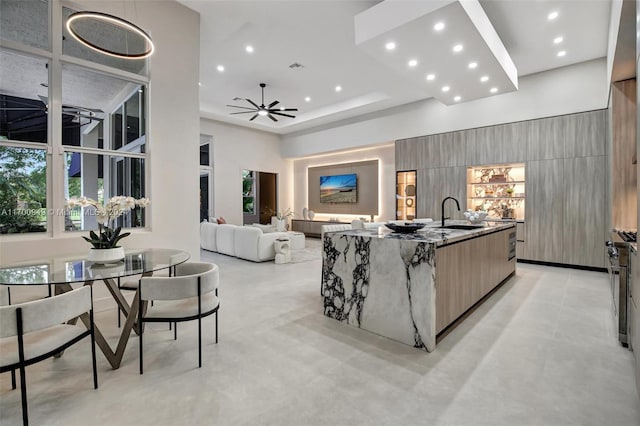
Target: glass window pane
{"type": "Point", "coordinates": [204, 154]}
{"type": "Point", "coordinates": [23, 189]}
{"type": "Point", "coordinates": [93, 102]}
{"type": "Point", "coordinates": [107, 35]}
{"type": "Point", "coordinates": [132, 111]}
{"type": "Point", "coordinates": [23, 95]}
{"type": "Point", "coordinates": [101, 177]}
{"type": "Point", "coordinates": [25, 21]}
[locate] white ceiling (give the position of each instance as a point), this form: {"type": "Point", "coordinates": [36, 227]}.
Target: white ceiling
{"type": "Point", "coordinates": [320, 36]}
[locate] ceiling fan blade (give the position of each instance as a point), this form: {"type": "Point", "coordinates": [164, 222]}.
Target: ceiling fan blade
{"type": "Point", "coordinates": [22, 109]}
{"type": "Point", "coordinates": [283, 109]}
{"type": "Point", "coordinates": [252, 118]}
{"type": "Point", "coordinates": [284, 115]}
{"type": "Point", "coordinates": [236, 106]}
{"type": "Point", "coordinates": [253, 103]}
{"type": "Point", "coordinates": [242, 112]}
{"type": "Point", "coordinates": [80, 115]}
{"type": "Point", "coordinates": [272, 104]}
{"type": "Point", "coordinates": [271, 117]}
{"type": "Point", "coordinates": [45, 101]}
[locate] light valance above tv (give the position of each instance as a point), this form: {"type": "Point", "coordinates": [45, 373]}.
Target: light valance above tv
{"type": "Point", "coordinates": [347, 188]}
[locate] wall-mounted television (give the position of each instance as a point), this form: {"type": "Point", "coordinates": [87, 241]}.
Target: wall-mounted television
{"type": "Point", "coordinates": [339, 189]}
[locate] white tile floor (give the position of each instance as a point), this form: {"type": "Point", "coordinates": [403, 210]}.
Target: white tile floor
{"type": "Point", "coordinates": [542, 351]}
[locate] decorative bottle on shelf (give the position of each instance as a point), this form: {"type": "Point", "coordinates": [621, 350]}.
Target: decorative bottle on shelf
{"type": "Point", "coordinates": [311, 214]}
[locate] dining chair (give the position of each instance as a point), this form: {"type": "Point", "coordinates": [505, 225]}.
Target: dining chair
{"type": "Point", "coordinates": [34, 331]}
{"type": "Point", "coordinates": [190, 294]}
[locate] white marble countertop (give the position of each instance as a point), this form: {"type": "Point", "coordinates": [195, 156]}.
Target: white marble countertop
{"type": "Point", "coordinates": [433, 234]}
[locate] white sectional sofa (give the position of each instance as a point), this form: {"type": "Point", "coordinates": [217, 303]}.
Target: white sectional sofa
{"type": "Point", "coordinates": [245, 242]}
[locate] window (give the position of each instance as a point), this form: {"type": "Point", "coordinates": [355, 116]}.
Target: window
{"type": "Point", "coordinates": [100, 177]}
{"type": "Point", "coordinates": [23, 93]}
{"type": "Point", "coordinates": [99, 121]}
{"type": "Point", "coordinates": [16, 16]}
{"type": "Point", "coordinates": [23, 189]}
{"type": "Point", "coordinates": [248, 192]}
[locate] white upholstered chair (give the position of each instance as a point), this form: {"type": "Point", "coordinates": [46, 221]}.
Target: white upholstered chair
{"type": "Point", "coordinates": [191, 294]}
{"type": "Point", "coordinates": [34, 331]}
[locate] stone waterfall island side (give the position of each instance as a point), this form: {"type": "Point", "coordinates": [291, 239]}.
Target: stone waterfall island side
{"type": "Point", "coordinates": [410, 287]}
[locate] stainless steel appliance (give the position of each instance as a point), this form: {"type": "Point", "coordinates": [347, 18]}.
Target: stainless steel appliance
{"type": "Point", "coordinates": [619, 276]}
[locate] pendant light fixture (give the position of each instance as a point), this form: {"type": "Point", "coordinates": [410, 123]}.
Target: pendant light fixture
{"type": "Point", "coordinates": [85, 27]}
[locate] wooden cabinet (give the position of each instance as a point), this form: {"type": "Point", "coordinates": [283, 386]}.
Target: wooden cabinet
{"type": "Point", "coordinates": [310, 228]}
{"type": "Point", "coordinates": [437, 184]}
{"type": "Point", "coordinates": [584, 226]}
{"type": "Point", "coordinates": [545, 211]}
{"type": "Point", "coordinates": [564, 156]}
{"type": "Point", "coordinates": [461, 284]}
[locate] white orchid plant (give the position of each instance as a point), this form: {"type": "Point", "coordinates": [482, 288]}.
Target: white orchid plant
{"type": "Point", "coordinates": [108, 236]}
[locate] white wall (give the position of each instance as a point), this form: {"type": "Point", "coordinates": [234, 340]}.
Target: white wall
{"type": "Point", "coordinates": [386, 179]}
{"type": "Point", "coordinates": [236, 148]}
{"type": "Point", "coordinates": [576, 88]}
{"type": "Point", "coordinates": [173, 140]}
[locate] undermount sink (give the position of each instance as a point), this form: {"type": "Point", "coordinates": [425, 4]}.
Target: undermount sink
{"type": "Point", "coordinates": [461, 227]}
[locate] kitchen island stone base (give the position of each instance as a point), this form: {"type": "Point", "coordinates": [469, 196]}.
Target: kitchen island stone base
{"type": "Point", "coordinates": [389, 284]}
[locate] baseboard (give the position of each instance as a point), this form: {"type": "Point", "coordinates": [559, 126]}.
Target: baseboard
{"type": "Point", "coordinates": [564, 265]}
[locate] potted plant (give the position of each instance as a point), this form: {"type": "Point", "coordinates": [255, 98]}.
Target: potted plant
{"type": "Point", "coordinates": [105, 242]}
{"type": "Point", "coordinates": [281, 218]}
{"type": "Point", "coordinates": [509, 192]}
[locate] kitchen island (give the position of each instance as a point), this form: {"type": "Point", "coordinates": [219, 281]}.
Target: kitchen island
{"type": "Point", "coordinates": [410, 287]}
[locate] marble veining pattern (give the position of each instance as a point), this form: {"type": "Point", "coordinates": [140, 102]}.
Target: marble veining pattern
{"type": "Point", "coordinates": [385, 286]}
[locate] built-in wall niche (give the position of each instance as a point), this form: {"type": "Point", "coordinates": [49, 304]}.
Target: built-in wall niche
{"type": "Point", "coordinates": [365, 194]}
{"type": "Point", "coordinates": [497, 189]}
{"type": "Point", "coordinates": [406, 195]}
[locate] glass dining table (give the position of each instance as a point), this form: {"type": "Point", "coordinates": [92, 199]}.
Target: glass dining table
{"type": "Point", "coordinates": [62, 271]}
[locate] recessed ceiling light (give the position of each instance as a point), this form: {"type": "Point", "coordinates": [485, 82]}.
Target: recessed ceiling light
{"type": "Point", "coordinates": [431, 77]}
{"type": "Point", "coordinates": [412, 63]}
{"type": "Point", "coordinates": [199, 84]}
{"type": "Point", "coordinates": [445, 88]}
{"type": "Point", "coordinates": [307, 99]}
{"type": "Point", "coordinates": [457, 48]}
{"type": "Point", "coordinates": [338, 88]}
{"type": "Point", "coordinates": [552, 16]}
{"type": "Point", "coordinates": [220, 68]}
{"type": "Point", "coordinates": [557, 40]}
{"type": "Point", "coordinates": [562, 53]}
{"type": "Point", "coordinates": [457, 98]}
{"type": "Point", "coordinates": [494, 90]}
{"type": "Point", "coordinates": [473, 65]}
{"type": "Point", "coordinates": [249, 48]}
{"type": "Point", "coordinates": [484, 78]}
{"type": "Point", "coordinates": [390, 46]}
{"type": "Point", "coordinates": [281, 108]}
{"type": "Point", "coordinates": [439, 26]}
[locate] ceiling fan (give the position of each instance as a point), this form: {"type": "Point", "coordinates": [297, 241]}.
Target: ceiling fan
{"type": "Point", "coordinates": [21, 104]}
{"type": "Point", "coordinates": [263, 110]}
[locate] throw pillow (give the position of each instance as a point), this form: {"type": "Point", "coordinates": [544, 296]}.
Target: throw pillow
{"type": "Point", "coordinates": [221, 220]}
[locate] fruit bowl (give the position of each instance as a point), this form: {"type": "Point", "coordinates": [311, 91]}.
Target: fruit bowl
{"type": "Point", "coordinates": [406, 228]}
{"type": "Point", "coordinates": [475, 217]}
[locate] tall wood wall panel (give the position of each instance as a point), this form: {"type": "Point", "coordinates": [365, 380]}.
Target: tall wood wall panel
{"type": "Point", "coordinates": [544, 210]}
{"type": "Point", "coordinates": [584, 206]}
{"type": "Point", "coordinates": [623, 186]}
{"type": "Point", "coordinates": [544, 145]}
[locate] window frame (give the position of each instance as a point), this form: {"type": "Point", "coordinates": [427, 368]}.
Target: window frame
{"type": "Point", "coordinates": [55, 151]}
